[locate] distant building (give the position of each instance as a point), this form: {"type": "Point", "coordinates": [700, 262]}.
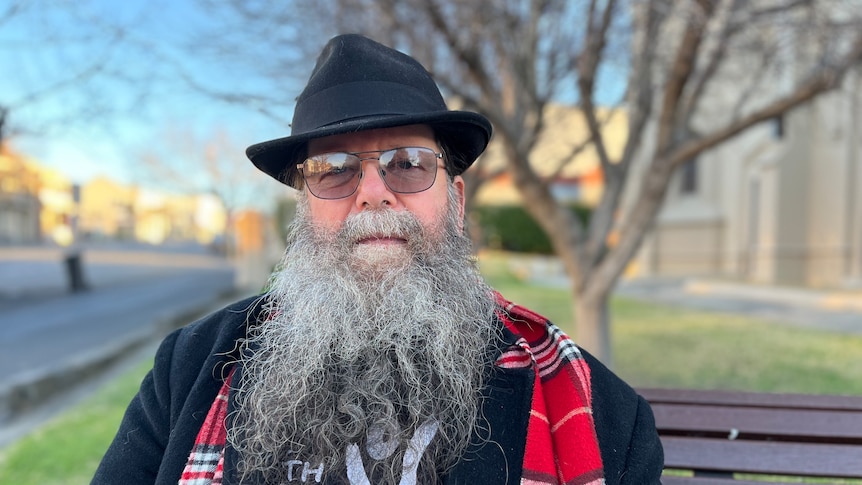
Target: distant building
{"type": "Point", "coordinates": [40, 204]}
{"type": "Point", "coordinates": [160, 217]}
{"type": "Point", "coordinates": [58, 214]}
{"type": "Point", "coordinates": [210, 218]}
{"type": "Point", "coordinates": [19, 202]}
{"type": "Point", "coordinates": [575, 174]}
{"type": "Point", "coordinates": [585, 188]}
{"type": "Point", "coordinates": [107, 210]}
{"type": "Point", "coordinates": [250, 231]}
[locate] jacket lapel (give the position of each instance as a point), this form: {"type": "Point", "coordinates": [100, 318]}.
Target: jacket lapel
{"type": "Point", "coordinates": [496, 455]}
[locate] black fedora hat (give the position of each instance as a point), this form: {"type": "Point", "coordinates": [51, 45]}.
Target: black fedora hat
{"type": "Point", "coordinates": [359, 84]}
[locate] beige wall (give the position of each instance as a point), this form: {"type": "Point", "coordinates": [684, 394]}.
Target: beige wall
{"type": "Point", "coordinates": [775, 211]}
{"type": "Point", "coordinates": [692, 248]}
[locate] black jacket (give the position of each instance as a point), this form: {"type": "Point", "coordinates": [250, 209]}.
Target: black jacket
{"type": "Point", "coordinates": [161, 423]}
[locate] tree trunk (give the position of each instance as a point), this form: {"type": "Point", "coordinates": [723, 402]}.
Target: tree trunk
{"type": "Point", "coordinates": [592, 324]}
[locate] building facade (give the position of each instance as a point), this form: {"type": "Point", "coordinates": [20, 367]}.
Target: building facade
{"type": "Point", "coordinates": [779, 204]}
{"type": "Point", "coordinates": [41, 205]}
{"type": "Point", "coordinates": [19, 202]}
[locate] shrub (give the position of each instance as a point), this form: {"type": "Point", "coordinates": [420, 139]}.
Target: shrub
{"type": "Point", "coordinates": [511, 228]}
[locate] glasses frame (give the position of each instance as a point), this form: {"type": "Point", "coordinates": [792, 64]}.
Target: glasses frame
{"type": "Point", "coordinates": [362, 159]}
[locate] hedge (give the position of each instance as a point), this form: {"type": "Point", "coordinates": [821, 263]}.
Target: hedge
{"type": "Point", "coordinates": [510, 228]}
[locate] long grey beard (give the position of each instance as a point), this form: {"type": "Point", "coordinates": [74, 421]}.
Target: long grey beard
{"type": "Point", "coordinates": [362, 343]}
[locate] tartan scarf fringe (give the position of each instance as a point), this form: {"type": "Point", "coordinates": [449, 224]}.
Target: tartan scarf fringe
{"type": "Point", "coordinates": [562, 447]}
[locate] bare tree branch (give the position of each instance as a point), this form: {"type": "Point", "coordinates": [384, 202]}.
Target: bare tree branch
{"type": "Point", "coordinates": [825, 80]}
{"type": "Point", "coordinates": [780, 8]}
{"type": "Point", "coordinates": [759, 75]}
{"type": "Point", "coordinates": [640, 84]}
{"type": "Point", "coordinates": [640, 97]}
{"type": "Point", "coordinates": [647, 204]}
{"type": "Point", "coordinates": [679, 74]}
{"type": "Point", "coordinates": [566, 160]}
{"type": "Point", "coordinates": [211, 163]}
{"type": "Point", "coordinates": [588, 64]}
{"type": "Point", "coordinates": [260, 103]}
{"type": "Point", "coordinates": [714, 61]}
{"type": "Point", "coordinates": [10, 11]}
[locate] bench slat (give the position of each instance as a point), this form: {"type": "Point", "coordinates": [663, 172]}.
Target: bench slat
{"type": "Point", "coordinates": [666, 480]}
{"type": "Point", "coordinates": [753, 399]}
{"type": "Point", "coordinates": [781, 458]}
{"type": "Point", "coordinates": [760, 423]}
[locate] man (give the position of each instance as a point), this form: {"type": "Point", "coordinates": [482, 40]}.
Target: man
{"type": "Point", "coordinates": [379, 355]}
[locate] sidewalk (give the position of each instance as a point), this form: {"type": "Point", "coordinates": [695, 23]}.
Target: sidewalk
{"type": "Point", "coordinates": [835, 311]}
{"type": "Point", "coordinates": [831, 310]}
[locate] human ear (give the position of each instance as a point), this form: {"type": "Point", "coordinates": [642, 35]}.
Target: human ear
{"type": "Point", "coordinates": [458, 189]}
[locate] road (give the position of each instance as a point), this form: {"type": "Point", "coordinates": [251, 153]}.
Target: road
{"type": "Point", "coordinates": [37, 336]}
{"type": "Point", "coordinates": [51, 339]}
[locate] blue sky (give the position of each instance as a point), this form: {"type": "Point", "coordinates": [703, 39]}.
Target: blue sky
{"type": "Point", "coordinates": [93, 84]}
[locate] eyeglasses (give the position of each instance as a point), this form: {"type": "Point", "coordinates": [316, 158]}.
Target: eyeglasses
{"type": "Point", "coordinates": [404, 170]}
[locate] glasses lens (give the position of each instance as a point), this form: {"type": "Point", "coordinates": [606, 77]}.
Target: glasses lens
{"type": "Point", "coordinates": [331, 175]}
{"type": "Point", "coordinates": [409, 170]}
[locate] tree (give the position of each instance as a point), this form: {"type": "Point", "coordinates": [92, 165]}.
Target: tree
{"type": "Point", "coordinates": [699, 72]}
{"type": "Point", "coordinates": [510, 59]}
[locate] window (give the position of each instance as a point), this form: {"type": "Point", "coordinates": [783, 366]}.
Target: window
{"type": "Point", "coordinates": [688, 177]}
{"type": "Point", "coordinates": [778, 127]}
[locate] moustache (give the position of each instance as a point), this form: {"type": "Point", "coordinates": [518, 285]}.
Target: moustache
{"type": "Point", "coordinates": [380, 224]}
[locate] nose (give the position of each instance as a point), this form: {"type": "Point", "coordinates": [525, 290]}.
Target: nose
{"type": "Point", "coordinates": [372, 192]}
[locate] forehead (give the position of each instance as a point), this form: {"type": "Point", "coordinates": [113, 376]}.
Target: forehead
{"type": "Point", "coordinates": [373, 140]}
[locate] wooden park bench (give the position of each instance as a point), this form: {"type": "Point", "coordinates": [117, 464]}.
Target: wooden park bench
{"type": "Point", "coordinates": [715, 434]}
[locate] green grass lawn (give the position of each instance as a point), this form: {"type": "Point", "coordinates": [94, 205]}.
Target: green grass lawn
{"type": "Point", "coordinates": [653, 345]}
{"type": "Point", "coordinates": [67, 450]}
{"type": "Point", "coordinates": [660, 346]}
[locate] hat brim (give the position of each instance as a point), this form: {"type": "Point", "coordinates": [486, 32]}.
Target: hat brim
{"type": "Point", "coordinates": [464, 132]}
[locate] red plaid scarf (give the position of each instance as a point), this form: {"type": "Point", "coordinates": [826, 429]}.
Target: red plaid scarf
{"type": "Point", "coordinates": [562, 447]}
{"type": "Point", "coordinates": [206, 461]}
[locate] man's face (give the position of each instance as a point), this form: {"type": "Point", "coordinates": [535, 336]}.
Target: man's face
{"type": "Point", "coordinates": [428, 206]}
